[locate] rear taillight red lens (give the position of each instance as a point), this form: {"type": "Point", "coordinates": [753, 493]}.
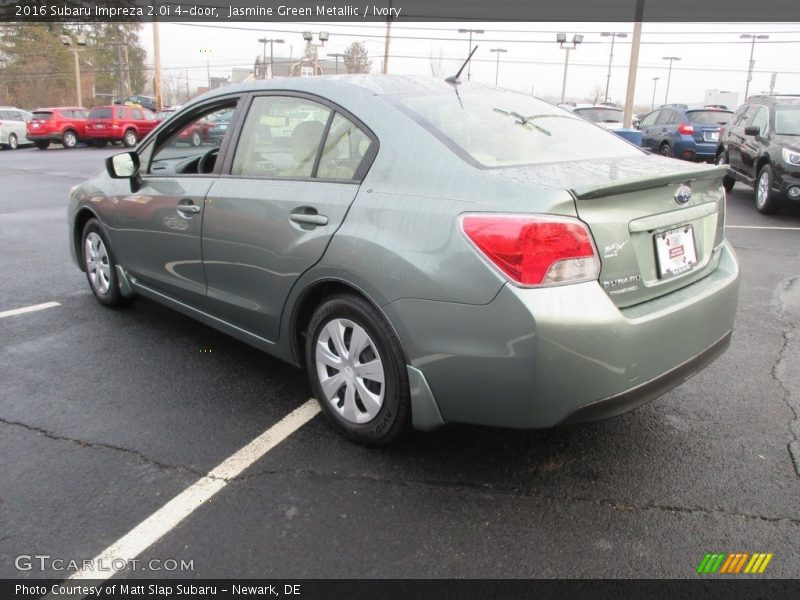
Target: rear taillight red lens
{"type": "Point", "coordinates": [685, 129]}
{"type": "Point", "coordinates": [535, 249]}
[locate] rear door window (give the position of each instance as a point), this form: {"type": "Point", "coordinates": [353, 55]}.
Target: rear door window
{"type": "Point", "coordinates": [101, 113]}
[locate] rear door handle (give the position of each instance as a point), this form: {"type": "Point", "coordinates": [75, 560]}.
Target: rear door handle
{"type": "Point", "coordinates": [189, 208]}
{"type": "Point", "coordinates": [309, 219]}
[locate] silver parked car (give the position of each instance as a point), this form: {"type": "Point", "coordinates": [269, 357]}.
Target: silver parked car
{"type": "Point", "coordinates": [13, 128]}
{"type": "Point", "coordinates": [430, 252]}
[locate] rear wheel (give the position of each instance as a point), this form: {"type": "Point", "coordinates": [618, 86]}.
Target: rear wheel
{"type": "Point", "coordinates": [99, 264]}
{"type": "Point", "coordinates": [12, 141]}
{"type": "Point", "coordinates": [357, 370]}
{"type": "Point", "coordinates": [69, 139]}
{"type": "Point", "coordinates": [196, 139]}
{"type": "Point", "coordinates": [727, 181]}
{"type": "Point", "coordinates": [130, 139]}
{"type": "Point", "coordinates": [665, 149]}
{"type": "Point", "coordinates": [767, 200]}
{"type": "Point", "coordinates": [42, 145]}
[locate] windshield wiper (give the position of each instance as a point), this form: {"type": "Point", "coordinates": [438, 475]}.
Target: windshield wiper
{"type": "Point", "coordinates": [527, 121]}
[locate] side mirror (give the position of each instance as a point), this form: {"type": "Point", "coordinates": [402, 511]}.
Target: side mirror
{"type": "Point", "coordinates": [123, 166]}
{"type": "Point", "coordinates": [752, 131]}
{"type": "Point", "coordinates": [635, 124]}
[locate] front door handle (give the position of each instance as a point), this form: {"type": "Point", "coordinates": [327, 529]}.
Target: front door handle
{"type": "Point", "coordinates": [189, 208]}
{"type": "Point", "coordinates": [309, 219]}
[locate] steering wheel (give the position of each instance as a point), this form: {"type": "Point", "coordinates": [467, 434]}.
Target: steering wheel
{"type": "Point", "coordinates": [206, 162]}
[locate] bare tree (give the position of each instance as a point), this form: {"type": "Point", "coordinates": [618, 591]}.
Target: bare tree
{"type": "Point", "coordinates": [598, 94]}
{"type": "Point", "coordinates": [436, 63]}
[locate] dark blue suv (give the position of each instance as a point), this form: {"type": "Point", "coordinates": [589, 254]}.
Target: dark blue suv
{"type": "Point", "coordinates": [687, 133]}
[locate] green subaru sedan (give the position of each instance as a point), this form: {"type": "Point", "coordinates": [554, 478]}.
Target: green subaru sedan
{"type": "Point", "coordinates": [429, 252]}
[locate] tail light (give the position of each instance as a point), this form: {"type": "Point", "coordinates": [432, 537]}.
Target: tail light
{"type": "Point", "coordinates": [685, 129]}
{"type": "Point", "coordinates": [535, 250]}
{"type": "Point", "coordinates": [114, 124]}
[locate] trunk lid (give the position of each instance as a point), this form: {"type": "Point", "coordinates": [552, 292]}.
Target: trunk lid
{"type": "Point", "coordinates": [658, 223]}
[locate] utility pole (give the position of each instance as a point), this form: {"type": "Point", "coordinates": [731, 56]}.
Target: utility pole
{"type": "Point", "coordinates": [207, 52]}
{"type": "Point", "coordinates": [157, 60]}
{"type": "Point", "coordinates": [653, 103]}
{"type": "Point", "coordinates": [388, 39]}
{"type": "Point", "coordinates": [79, 41]}
{"type": "Point", "coordinates": [265, 41]}
{"type": "Point", "coordinates": [337, 56]}
{"type": "Point", "coordinates": [627, 115]}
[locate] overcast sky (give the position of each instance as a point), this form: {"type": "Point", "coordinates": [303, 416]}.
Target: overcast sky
{"type": "Point", "coordinates": [713, 56]}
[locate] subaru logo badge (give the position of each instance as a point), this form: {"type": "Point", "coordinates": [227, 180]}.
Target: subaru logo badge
{"type": "Point", "coordinates": [683, 194]}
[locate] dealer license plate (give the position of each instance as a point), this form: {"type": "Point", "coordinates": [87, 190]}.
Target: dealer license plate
{"type": "Point", "coordinates": [675, 251]}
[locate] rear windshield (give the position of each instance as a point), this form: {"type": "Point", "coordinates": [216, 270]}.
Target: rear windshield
{"type": "Point", "coordinates": [42, 115]}
{"type": "Point", "coordinates": [600, 115]}
{"type": "Point", "coordinates": [100, 113]}
{"type": "Point", "coordinates": [709, 117]}
{"type": "Point", "coordinates": [787, 121]}
{"type": "Point", "coordinates": [503, 129]}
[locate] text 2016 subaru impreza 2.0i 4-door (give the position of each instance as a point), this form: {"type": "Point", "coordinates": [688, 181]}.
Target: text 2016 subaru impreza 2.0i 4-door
{"type": "Point", "coordinates": [430, 253]}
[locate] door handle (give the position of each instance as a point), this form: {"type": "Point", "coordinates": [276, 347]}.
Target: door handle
{"type": "Point", "coordinates": [189, 208]}
{"type": "Point", "coordinates": [306, 219]}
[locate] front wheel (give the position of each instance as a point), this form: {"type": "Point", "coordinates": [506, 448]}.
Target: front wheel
{"type": "Point", "coordinates": [69, 139]}
{"type": "Point", "coordinates": [130, 139]}
{"type": "Point", "coordinates": [196, 139]}
{"type": "Point", "coordinates": [727, 181]}
{"type": "Point", "coordinates": [767, 201]}
{"type": "Point", "coordinates": [99, 264]}
{"type": "Point", "coordinates": [357, 371]}
{"type": "Point", "coordinates": [12, 141]}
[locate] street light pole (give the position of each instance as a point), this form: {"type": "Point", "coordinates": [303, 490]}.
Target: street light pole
{"type": "Point", "coordinates": [470, 32]}
{"type": "Point", "coordinates": [337, 56]}
{"type": "Point", "coordinates": [754, 37]}
{"type": "Point", "coordinates": [207, 52]}
{"type": "Point", "coordinates": [271, 56]}
{"type": "Point", "coordinates": [497, 68]}
{"type": "Point", "coordinates": [653, 103]}
{"type": "Point", "coordinates": [669, 74]}
{"type": "Point", "coordinates": [561, 38]}
{"type": "Point", "coordinates": [611, 57]}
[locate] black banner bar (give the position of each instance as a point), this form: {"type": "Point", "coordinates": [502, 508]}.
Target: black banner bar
{"type": "Point", "coordinates": [704, 587]}
{"type": "Point", "coordinates": [400, 10]}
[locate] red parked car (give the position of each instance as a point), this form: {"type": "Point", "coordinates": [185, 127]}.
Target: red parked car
{"type": "Point", "coordinates": [126, 124]}
{"type": "Point", "coordinates": [63, 124]}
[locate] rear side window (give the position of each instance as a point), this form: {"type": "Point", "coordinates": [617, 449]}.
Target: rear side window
{"type": "Point", "coordinates": [709, 117]}
{"type": "Point", "coordinates": [344, 151]}
{"type": "Point", "coordinates": [665, 117]}
{"type": "Point", "coordinates": [650, 119]}
{"type": "Point", "coordinates": [101, 113]}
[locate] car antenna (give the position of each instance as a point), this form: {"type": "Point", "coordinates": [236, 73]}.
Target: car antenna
{"type": "Point", "coordinates": [454, 79]}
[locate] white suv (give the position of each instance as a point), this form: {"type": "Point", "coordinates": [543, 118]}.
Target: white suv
{"type": "Point", "coordinates": [12, 127]}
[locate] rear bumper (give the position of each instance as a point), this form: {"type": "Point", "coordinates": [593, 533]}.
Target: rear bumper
{"type": "Point", "coordinates": [105, 134]}
{"type": "Point", "coordinates": [537, 358]}
{"type": "Point", "coordinates": [690, 149]}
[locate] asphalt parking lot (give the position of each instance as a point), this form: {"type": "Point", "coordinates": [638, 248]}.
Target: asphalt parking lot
{"type": "Point", "coordinates": [106, 415]}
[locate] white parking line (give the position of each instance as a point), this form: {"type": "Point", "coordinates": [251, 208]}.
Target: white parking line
{"type": "Point", "coordinates": [28, 309]}
{"type": "Point", "coordinates": [184, 504]}
{"type": "Point", "coordinates": [761, 227]}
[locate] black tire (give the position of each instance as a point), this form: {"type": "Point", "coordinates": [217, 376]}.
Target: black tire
{"type": "Point", "coordinates": [130, 138]}
{"type": "Point", "coordinates": [665, 150]}
{"type": "Point", "coordinates": [69, 139]}
{"type": "Point", "coordinates": [109, 294]}
{"type": "Point", "coordinates": [393, 418]}
{"type": "Point", "coordinates": [767, 203]}
{"type": "Point", "coordinates": [727, 181]}
{"type": "Point", "coordinates": [12, 142]}
{"type": "Point", "coordinates": [42, 144]}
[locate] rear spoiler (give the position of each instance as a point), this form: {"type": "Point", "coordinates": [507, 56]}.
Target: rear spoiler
{"type": "Point", "coordinates": [590, 192]}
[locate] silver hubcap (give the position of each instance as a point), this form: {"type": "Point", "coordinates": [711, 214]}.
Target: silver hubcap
{"type": "Point", "coordinates": [763, 189]}
{"type": "Point", "coordinates": [12, 142]}
{"type": "Point", "coordinates": [130, 139]}
{"type": "Point", "coordinates": [350, 371]}
{"type": "Point", "coordinates": [69, 140]}
{"type": "Point", "coordinates": [97, 265]}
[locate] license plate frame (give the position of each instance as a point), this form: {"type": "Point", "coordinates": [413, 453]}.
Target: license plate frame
{"type": "Point", "coordinates": [676, 251]}
{"type": "Point", "coordinates": [711, 136]}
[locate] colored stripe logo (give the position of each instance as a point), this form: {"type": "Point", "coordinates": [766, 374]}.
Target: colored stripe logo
{"type": "Point", "coordinates": [734, 563]}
